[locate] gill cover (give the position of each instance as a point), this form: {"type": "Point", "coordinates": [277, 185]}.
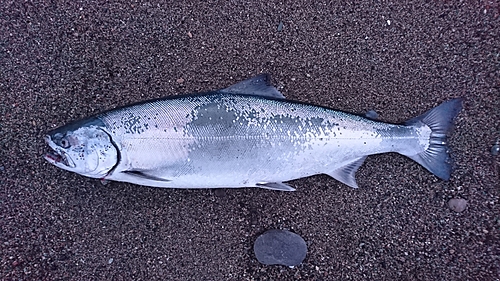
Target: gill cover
{"type": "Point", "coordinates": [86, 150]}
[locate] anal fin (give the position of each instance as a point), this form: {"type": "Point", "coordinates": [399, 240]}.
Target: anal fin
{"type": "Point", "coordinates": [346, 174]}
{"type": "Point", "coordinates": [275, 186]}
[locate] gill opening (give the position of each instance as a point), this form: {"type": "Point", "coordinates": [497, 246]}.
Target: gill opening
{"type": "Point", "coordinates": [118, 154]}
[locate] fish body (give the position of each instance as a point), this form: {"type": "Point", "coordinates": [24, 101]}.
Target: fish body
{"type": "Point", "coordinates": [247, 135]}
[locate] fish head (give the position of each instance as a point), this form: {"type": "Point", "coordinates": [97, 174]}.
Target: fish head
{"type": "Point", "coordinates": [85, 148]}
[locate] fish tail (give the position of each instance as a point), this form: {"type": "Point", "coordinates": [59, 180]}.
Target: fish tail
{"type": "Point", "coordinates": [436, 158]}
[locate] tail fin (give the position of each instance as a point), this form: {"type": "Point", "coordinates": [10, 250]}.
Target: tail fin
{"type": "Point", "coordinates": [440, 119]}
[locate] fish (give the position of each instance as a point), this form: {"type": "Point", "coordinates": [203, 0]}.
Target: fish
{"type": "Point", "coordinates": [245, 135]}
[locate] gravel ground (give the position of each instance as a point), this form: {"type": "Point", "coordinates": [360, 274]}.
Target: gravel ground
{"type": "Point", "coordinates": [60, 62]}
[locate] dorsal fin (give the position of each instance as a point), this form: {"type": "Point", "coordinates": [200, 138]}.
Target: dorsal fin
{"type": "Point", "coordinates": [256, 86]}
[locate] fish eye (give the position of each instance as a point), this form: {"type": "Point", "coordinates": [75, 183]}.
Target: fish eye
{"type": "Point", "coordinates": [64, 143]}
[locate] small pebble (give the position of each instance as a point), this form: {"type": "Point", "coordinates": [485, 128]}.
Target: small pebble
{"type": "Point", "coordinates": [180, 80]}
{"type": "Point", "coordinates": [280, 26]}
{"type": "Point", "coordinates": [280, 247]}
{"type": "Point", "coordinates": [110, 261]}
{"type": "Point", "coordinates": [495, 150]}
{"type": "Point", "coordinates": [220, 192]}
{"type": "Point", "coordinates": [457, 205]}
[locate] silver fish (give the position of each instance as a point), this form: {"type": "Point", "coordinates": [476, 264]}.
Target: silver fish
{"type": "Point", "coordinates": [247, 135]}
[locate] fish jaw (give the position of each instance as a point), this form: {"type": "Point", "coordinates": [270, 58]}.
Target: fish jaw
{"type": "Point", "coordinates": [57, 156]}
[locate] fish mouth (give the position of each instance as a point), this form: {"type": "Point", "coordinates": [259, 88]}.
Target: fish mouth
{"type": "Point", "coordinates": [57, 156]}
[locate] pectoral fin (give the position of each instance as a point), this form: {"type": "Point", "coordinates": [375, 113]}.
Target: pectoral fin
{"type": "Point", "coordinates": [275, 186]}
{"type": "Point", "coordinates": [346, 174]}
{"type": "Point", "coordinates": [144, 175]}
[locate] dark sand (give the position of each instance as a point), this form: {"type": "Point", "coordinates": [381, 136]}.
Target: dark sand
{"type": "Point", "coordinates": [63, 62]}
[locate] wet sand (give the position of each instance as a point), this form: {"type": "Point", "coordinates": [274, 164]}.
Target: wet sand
{"type": "Point", "coordinates": [60, 62]}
